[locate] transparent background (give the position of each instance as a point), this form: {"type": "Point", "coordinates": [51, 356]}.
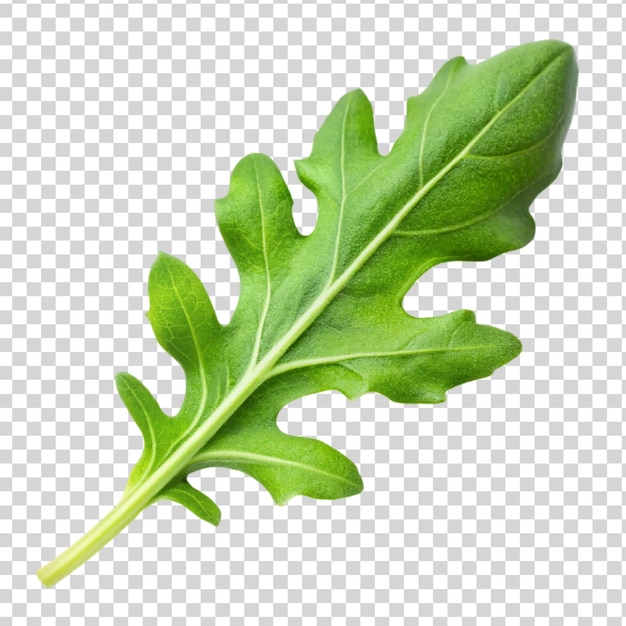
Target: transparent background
{"type": "Point", "coordinates": [119, 125]}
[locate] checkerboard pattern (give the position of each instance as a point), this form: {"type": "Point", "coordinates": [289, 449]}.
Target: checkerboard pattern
{"type": "Point", "coordinates": [119, 124]}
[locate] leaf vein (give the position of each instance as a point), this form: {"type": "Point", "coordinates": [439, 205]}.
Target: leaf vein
{"type": "Point", "coordinates": [477, 220]}
{"type": "Point", "coordinates": [427, 121]}
{"type": "Point", "coordinates": [221, 457]}
{"type": "Point", "coordinates": [302, 363]}
{"type": "Point", "coordinates": [202, 372]}
{"type": "Point", "coordinates": [268, 280]}
{"type": "Point", "coordinates": [153, 441]}
{"type": "Point", "coordinates": [342, 205]}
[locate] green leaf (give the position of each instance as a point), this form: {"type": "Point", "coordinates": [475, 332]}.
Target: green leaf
{"type": "Point", "coordinates": [152, 421]}
{"type": "Point", "coordinates": [197, 502]}
{"type": "Point", "coordinates": [286, 466]}
{"type": "Point", "coordinates": [184, 322]}
{"type": "Point", "coordinates": [324, 311]}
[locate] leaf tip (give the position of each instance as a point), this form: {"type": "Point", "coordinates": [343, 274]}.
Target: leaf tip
{"type": "Point", "coordinates": [357, 93]}
{"type": "Point", "coordinates": [121, 378]}
{"type": "Point", "coordinates": [357, 482]}
{"type": "Point", "coordinates": [216, 518]}
{"type": "Point", "coordinates": [164, 259]}
{"type": "Point", "coordinates": [516, 346]}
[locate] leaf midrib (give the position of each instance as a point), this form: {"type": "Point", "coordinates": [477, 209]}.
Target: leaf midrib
{"type": "Point", "coordinates": [264, 369]}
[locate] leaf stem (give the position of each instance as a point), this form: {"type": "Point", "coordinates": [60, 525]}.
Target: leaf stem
{"type": "Point", "coordinates": [142, 495]}
{"type": "Point", "coordinates": [124, 512]}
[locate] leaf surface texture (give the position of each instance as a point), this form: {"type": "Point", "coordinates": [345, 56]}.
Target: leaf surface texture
{"type": "Point", "coordinates": [324, 311]}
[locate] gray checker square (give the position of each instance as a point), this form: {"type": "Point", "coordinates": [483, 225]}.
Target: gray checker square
{"type": "Point", "coordinates": [119, 124]}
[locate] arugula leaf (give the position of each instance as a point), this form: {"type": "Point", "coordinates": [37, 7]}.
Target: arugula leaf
{"type": "Point", "coordinates": [324, 311]}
